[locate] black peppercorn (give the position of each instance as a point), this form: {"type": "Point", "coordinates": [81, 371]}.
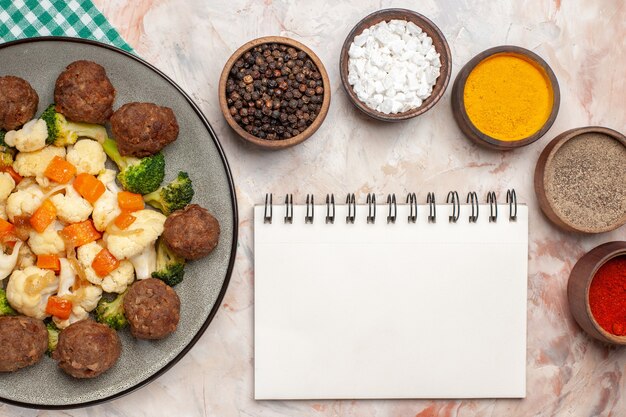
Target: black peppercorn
{"type": "Point", "coordinates": [274, 91]}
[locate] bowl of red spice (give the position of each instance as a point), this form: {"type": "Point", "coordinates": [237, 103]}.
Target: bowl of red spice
{"type": "Point", "coordinates": [274, 92]}
{"type": "Point", "coordinates": [596, 292]}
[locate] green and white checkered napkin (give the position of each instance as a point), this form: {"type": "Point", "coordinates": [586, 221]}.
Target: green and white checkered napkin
{"type": "Point", "coordinates": [30, 18]}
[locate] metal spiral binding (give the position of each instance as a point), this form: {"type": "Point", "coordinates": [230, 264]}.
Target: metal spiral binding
{"type": "Point", "coordinates": [493, 207]}
{"type": "Point", "coordinates": [411, 200]}
{"type": "Point", "coordinates": [351, 202]}
{"type": "Point", "coordinates": [371, 208]}
{"type": "Point", "coordinates": [472, 198]}
{"type": "Point", "coordinates": [289, 208]}
{"type": "Point", "coordinates": [432, 209]}
{"type": "Point", "coordinates": [511, 198]}
{"type": "Point", "coordinates": [392, 207]}
{"type": "Point", "coordinates": [330, 201]}
{"type": "Point", "coordinates": [310, 207]}
{"type": "Point", "coordinates": [391, 201]}
{"type": "Point", "coordinates": [453, 197]}
{"type": "Point", "coordinates": [267, 215]}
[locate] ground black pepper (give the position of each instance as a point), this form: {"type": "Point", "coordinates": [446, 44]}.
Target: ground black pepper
{"type": "Point", "coordinates": [274, 91]}
{"type": "Point", "coordinates": [586, 181]}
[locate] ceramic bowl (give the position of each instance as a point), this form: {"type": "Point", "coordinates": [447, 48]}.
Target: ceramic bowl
{"type": "Point", "coordinates": [541, 179]}
{"type": "Point", "coordinates": [458, 103]}
{"type": "Point", "coordinates": [578, 289]}
{"type": "Point", "coordinates": [441, 46]}
{"type": "Point", "coordinates": [265, 143]}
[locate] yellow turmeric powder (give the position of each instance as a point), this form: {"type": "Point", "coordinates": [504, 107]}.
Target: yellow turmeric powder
{"type": "Point", "coordinates": [508, 97]}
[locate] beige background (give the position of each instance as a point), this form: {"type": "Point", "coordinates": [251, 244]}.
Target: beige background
{"type": "Point", "coordinates": [568, 373]}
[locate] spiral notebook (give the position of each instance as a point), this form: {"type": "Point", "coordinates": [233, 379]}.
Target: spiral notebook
{"type": "Point", "coordinates": [393, 299]}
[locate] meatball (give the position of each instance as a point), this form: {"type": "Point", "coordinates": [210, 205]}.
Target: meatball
{"type": "Point", "coordinates": [24, 341]}
{"type": "Point", "coordinates": [18, 102]}
{"type": "Point", "coordinates": [83, 93]}
{"type": "Point", "coordinates": [192, 232]}
{"type": "Point", "coordinates": [143, 129]}
{"type": "Point", "coordinates": [86, 349]}
{"type": "Point", "coordinates": [152, 308]}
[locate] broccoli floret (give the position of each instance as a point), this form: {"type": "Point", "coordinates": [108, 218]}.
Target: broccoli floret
{"type": "Point", "coordinates": [140, 176]}
{"type": "Point", "coordinates": [170, 268]}
{"type": "Point", "coordinates": [5, 307]}
{"type": "Point", "coordinates": [173, 196]}
{"type": "Point", "coordinates": [53, 337]}
{"type": "Point", "coordinates": [62, 132]}
{"type": "Point", "coordinates": [111, 312]}
{"type": "Point", "coordinates": [6, 152]}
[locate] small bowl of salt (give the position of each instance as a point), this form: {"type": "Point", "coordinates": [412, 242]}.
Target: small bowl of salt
{"type": "Point", "coordinates": [395, 64]}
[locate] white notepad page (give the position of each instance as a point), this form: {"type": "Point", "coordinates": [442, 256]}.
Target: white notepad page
{"type": "Point", "coordinates": [424, 310]}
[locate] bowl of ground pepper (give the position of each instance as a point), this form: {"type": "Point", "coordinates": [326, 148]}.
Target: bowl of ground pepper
{"type": "Point", "coordinates": [580, 180]}
{"type": "Point", "coordinates": [595, 292]}
{"type": "Point", "coordinates": [274, 92]}
{"type": "Point", "coordinates": [505, 98]}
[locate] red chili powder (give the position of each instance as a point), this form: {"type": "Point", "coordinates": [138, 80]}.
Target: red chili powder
{"type": "Point", "coordinates": [607, 296]}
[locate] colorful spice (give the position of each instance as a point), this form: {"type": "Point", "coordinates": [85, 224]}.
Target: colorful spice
{"type": "Point", "coordinates": [508, 97]}
{"type": "Point", "coordinates": [607, 296]}
{"type": "Point", "coordinates": [585, 184]}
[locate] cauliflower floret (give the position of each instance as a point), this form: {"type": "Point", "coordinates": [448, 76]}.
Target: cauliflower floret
{"type": "Point", "coordinates": [48, 242]}
{"type": "Point", "coordinates": [3, 211]}
{"type": "Point", "coordinates": [84, 299]}
{"type": "Point", "coordinates": [7, 184]}
{"type": "Point", "coordinates": [33, 164]}
{"type": "Point", "coordinates": [24, 202]}
{"type": "Point", "coordinates": [87, 156]}
{"type": "Point", "coordinates": [28, 290]}
{"type": "Point", "coordinates": [145, 262]}
{"type": "Point", "coordinates": [116, 281]}
{"type": "Point", "coordinates": [106, 209]}
{"type": "Point", "coordinates": [71, 207]}
{"type": "Point", "coordinates": [25, 258]}
{"type": "Point", "coordinates": [8, 262]}
{"type": "Point", "coordinates": [31, 137]}
{"type": "Point", "coordinates": [131, 241]}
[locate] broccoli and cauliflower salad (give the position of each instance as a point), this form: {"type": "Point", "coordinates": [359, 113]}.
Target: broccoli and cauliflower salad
{"type": "Point", "coordinates": [80, 241]}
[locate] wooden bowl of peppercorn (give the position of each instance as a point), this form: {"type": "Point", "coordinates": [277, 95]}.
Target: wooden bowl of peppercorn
{"type": "Point", "coordinates": [274, 92]}
{"type": "Point", "coordinates": [584, 300]}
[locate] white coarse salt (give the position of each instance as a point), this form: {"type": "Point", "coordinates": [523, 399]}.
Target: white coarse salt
{"type": "Point", "coordinates": [393, 66]}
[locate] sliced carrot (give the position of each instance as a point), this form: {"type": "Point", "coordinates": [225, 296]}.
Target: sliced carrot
{"type": "Point", "coordinates": [7, 232]}
{"type": "Point", "coordinates": [50, 262]}
{"type": "Point", "coordinates": [43, 216]}
{"type": "Point", "coordinates": [104, 263]}
{"type": "Point", "coordinates": [130, 201]}
{"type": "Point", "coordinates": [79, 234]}
{"type": "Point", "coordinates": [89, 187]}
{"type": "Point", "coordinates": [13, 173]}
{"type": "Point", "coordinates": [6, 227]}
{"type": "Point", "coordinates": [60, 170]}
{"type": "Point", "coordinates": [59, 307]}
{"type": "Point", "coordinates": [124, 220]}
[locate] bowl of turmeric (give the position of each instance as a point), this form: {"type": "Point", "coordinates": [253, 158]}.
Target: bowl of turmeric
{"type": "Point", "coordinates": [505, 98]}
